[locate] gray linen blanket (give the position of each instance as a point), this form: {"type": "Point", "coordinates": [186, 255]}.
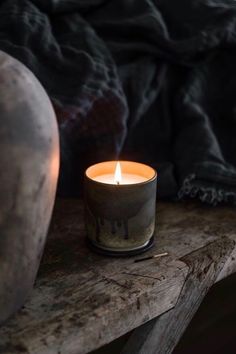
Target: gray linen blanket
{"type": "Point", "coordinates": [152, 81]}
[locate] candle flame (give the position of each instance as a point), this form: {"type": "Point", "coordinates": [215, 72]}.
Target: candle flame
{"type": "Point", "coordinates": [118, 175]}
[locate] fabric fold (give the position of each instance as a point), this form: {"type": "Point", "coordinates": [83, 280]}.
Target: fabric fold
{"type": "Point", "coordinates": [152, 81]}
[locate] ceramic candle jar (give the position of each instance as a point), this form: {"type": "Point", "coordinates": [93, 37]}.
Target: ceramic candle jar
{"type": "Point", "coordinates": [120, 214]}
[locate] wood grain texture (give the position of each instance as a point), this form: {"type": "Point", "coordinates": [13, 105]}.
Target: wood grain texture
{"type": "Point", "coordinates": [160, 335]}
{"type": "Point", "coordinates": [82, 300]}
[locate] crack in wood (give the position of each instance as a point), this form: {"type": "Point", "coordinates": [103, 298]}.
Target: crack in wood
{"type": "Point", "coordinates": [111, 280]}
{"type": "Point", "coordinates": [145, 276]}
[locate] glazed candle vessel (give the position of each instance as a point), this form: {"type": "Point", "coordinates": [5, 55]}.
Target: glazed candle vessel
{"type": "Point", "coordinates": [120, 214]}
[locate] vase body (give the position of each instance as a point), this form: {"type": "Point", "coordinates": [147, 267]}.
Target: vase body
{"type": "Point", "coordinates": [29, 162]}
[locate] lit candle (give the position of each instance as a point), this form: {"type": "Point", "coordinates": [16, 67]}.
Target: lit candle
{"type": "Point", "coordinates": [120, 178]}
{"type": "Point", "coordinates": [120, 200]}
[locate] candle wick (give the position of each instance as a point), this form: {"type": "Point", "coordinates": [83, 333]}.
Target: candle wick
{"type": "Point", "coordinates": [117, 182]}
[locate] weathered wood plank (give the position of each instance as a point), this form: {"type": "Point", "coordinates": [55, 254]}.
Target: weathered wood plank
{"type": "Point", "coordinates": [193, 225]}
{"type": "Point", "coordinates": [160, 336]}
{"type": "Point", "coordinates": [82, 300]}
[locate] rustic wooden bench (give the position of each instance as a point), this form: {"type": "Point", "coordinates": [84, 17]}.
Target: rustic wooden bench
{"type": "Point", "coordinates": [82, 300]}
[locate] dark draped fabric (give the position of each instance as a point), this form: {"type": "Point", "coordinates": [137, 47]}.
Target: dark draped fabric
{"type": "Point", "coordinates": [152, 81]}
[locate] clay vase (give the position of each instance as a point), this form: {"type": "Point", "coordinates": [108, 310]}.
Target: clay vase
{"type": "Point", "coordinates": [29, 162]}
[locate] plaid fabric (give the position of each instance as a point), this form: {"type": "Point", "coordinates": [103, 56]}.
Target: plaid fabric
{"type": "Point", "coordinates": [145, 80]}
